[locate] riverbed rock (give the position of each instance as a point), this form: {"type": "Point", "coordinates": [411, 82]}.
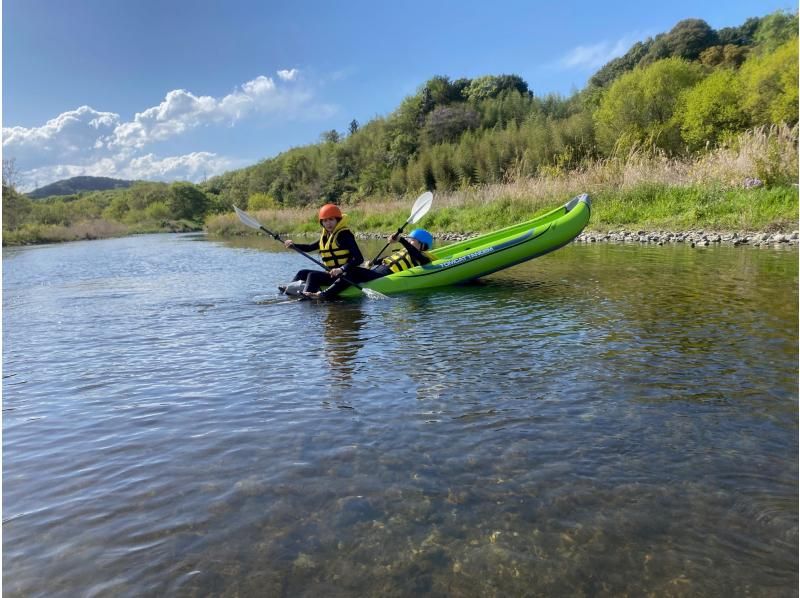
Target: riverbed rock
{"type": "Point", "coordinates": [692, 238]}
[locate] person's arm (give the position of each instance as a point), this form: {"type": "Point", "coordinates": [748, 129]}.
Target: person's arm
{"type": "Point", "coordinates": [416, 255]}
{"type": "Point", "coordinates": [348, 241]}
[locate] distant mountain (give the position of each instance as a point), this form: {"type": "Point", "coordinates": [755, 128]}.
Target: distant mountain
{"type": "Point", "coordinates": [78, 184]}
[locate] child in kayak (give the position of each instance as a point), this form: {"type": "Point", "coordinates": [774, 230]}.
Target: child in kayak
{"type": "Point", "coordinates": [413, 253]}
{"type": "Point", "coordinates": [337, 248]}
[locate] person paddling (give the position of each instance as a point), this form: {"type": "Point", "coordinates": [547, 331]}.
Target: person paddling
{"type": "Point", "coordinates": [414, 252]}
{"type": "Point", "coordinates": [337, 248]}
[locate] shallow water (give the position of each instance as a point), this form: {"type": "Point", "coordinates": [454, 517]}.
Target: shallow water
{"type": "Point", "coordinates": [604, 420]}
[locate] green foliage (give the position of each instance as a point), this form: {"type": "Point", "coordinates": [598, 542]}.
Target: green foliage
{"type": "Point", "coordinates": [686, 40]}
{"type": "Point", "coordinates": [16, 208]}
{"type": "Point", "coordinates": [490, 86]}
{"type": "Point", "coordinates": [712, 110]}
{"type": "Point", "coordinates": [187, 201]}
{"type": "Point", "coordinates": [261, 201]}
{"type": "Point", "coordinates": [739, 36]}
{"type": "Point", "coordinates": [729, 55]}
{"type": "Point", "coordinates": [157, 210]}
{"type": "Point", "coordinates": [618, 66]}
{"type": "Point", "coordinates": [770, 84]}
{"type": "Point", "coordinates": [639, 107]}
{"type": "Point", "coordinates": [774, 30]}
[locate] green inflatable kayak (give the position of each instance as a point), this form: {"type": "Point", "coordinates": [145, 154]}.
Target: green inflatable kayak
{"type": "Point", "coordinates": [482, 255]}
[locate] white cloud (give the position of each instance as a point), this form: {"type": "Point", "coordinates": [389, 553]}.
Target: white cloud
{"type": "Point", "coordinates": [288, 75]}
{"type": "Point", "coordinates": [182, 111]}
{"type": "Point", "coordinates": [63, 137]}
{"type": "Point", "coordinates": [596, 55]}
{"type": "Point", "coordinates": [90, 142]}
{"type": "Point", "coordinates": [190, 167]}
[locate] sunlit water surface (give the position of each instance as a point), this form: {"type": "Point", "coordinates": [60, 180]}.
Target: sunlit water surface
{"type": "Point", "coordinates": [604, 420]}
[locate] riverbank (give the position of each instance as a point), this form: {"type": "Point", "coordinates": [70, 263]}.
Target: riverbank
{"type": "Point", "coordinates": [699, 238]}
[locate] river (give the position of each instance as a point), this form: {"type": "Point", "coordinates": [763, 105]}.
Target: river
{"type": "Point", "coordinates": [605, 420]}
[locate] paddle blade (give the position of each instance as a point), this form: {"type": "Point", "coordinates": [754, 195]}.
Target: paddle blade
{"type": "Point", "coordinates": [420, 207]}
{"type": "Point", "coordinates": [373, 294]}
{"type": "Point", "coordinates": [247, 219]}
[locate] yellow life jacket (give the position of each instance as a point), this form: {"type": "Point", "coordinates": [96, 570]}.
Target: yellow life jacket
{"type": "Point", "coordinates": [331, 254]}
{"type": "Point", "coordinates": [401, 260]}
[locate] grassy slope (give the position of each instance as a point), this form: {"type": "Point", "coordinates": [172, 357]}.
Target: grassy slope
{"type": "Point", "coordinates": [639, 191]}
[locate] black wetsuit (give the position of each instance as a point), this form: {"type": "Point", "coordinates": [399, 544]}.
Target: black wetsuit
{"type": "Point", "coordinates": [359, 274]}
{"type": "Point", "coordinates": [316, 278]}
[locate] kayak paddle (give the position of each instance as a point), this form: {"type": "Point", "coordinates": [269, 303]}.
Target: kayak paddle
{"type": "Point", "coordinates": [248, 220]}
{"type": "Point", "coordinates": [418, 210]}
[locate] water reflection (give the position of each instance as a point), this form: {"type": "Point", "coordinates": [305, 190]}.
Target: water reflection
{"type": "Point", "coordinates": [342, 338]}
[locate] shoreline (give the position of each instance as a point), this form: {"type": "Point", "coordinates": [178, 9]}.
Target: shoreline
{"type": "Point", "coordinates": [693, 238]}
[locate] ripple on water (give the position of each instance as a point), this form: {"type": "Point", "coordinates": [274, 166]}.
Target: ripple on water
{"type": "Point", "coordinates": [601, 421]}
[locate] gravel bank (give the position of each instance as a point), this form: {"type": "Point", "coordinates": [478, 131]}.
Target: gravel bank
{"type": "Point", "coordinates": [695, 238]}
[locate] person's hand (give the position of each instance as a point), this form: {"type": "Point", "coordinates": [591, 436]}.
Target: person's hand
{"type": "Point", "coordinates": [335, 272]}
{"type": "Point", "coordinates": [394, 237]}
{"type": "Point", "coordinates": [288, 242]}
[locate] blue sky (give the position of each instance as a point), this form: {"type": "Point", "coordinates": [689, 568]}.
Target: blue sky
{"type": "Point", "coordinates": [183, 90]}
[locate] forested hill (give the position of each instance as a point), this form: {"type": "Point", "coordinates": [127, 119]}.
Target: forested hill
{"type": "Point", "coordinates": [682, 92]}
{"type": "Point", "coordinates": [79, 184]}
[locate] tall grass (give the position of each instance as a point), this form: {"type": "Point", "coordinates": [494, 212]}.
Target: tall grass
{"type": "Point", "coordinates": [643, 188]}
{"type": "Point", "coordinates": [32, 234]}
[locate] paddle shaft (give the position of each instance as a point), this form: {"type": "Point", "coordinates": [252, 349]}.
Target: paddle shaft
{"type": "Point", "coordinates": [399, 231]}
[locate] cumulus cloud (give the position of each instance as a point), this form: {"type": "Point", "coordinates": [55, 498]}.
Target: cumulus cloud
{"type": "Point", "coordinates": [181, 110]}
{"type": "Point", "coordinates": [90, 142]}
{"type": "Point", "coordinates": [596, 55]}
{"type": "Point", "coordinates": [66, 136]}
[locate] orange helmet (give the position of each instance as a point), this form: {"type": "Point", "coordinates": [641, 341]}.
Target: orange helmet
{"type": "Point", "coordinates": [329, 210]}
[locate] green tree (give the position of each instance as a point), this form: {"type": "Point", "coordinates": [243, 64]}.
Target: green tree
{"type": "Point", "coordinates": [441, 91]}
{"type": "Point", "coordinates": [331, 136]}
{"type": "Point", "coordinates": [623, 64]}
{"type": "Point", "coordinates": [686, 40]}
{"type": "Point", "coordinates": [728, 55]}
{"type": "Point", "coordinates": [739, 36]}
{"type": "Point", "coordinates": [770, 84]}
{"type": "Point", "coordinates": [261, 201]}
{"type": "Point", "coordinates": [490, 86]}
{"type": "Point", "coordinates": [712, 110]}
{"type": "Point", "coordinates": [639, 106]}
{"type": "Point", "coordinates": [16, 207]}
{"type": "Point", "coordinates": [187, 201]}
{"type": "Point", "coordinates": [774, 30]}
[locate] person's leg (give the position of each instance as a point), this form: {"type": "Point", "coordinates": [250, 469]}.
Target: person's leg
{"type": "Point", "coordinates": [315, 279]}
{"type": "Point", "coordinates": [301, 275]}
{"type": "Point", "coordinates": [357, 275]}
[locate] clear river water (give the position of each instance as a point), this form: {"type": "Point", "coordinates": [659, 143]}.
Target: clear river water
{"type": "Point", "coordinates": [605, 420]}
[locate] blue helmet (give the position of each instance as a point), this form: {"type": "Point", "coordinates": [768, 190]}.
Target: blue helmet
{"type": "Point", "coordinates": [423, 236]}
